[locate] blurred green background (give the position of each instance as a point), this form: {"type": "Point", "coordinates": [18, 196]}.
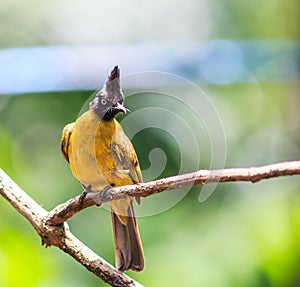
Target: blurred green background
{"type": "Point", "coordinates": [243, 234]}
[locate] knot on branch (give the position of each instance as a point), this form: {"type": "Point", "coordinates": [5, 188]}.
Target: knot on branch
{"type": "Point", "coordinates": [53, 235]}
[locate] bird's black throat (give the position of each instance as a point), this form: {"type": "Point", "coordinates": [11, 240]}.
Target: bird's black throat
{"type": "Point", "coordinates": [110, 114]}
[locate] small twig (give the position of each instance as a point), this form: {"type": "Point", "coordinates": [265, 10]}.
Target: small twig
{"type": "Point", "coordinates": [253, 174]}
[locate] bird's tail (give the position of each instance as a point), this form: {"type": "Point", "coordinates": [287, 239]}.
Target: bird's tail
{"type": "Point", "coordinates": [127, 242]}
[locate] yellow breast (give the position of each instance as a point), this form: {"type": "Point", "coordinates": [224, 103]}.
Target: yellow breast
{"type": "Point", "coordinates": [91, 158]}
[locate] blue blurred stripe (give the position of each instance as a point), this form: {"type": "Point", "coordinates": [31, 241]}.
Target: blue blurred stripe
{"type": "Point", "coordinates": [60, 68]}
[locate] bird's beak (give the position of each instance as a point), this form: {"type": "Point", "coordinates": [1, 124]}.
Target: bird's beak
{"type": "Point", "coordinates": [119, 107]}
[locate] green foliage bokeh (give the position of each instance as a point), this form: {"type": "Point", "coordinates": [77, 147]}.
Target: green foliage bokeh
{"type": "Point", "coordinates": [244, 234]}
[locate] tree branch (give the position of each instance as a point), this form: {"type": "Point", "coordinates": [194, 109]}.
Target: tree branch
{"type": "Point", "coordinates": [53, 230]}
{"type": "Point", "coordinates": [253, 174]}
{"type": "Point", "coordinates": [60, 235]}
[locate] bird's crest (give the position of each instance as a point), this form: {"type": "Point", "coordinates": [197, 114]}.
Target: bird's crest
{"type": "Point", "coordinates": [112, 85]}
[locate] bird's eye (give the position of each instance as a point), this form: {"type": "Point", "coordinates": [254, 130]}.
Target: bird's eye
{"type": "Point", "coordinates": [103, 102]}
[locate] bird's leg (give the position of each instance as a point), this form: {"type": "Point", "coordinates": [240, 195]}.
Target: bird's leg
{"type": "Point", "coordinates": [86, 190]}
{"type": "Point", "coordinates": [102, 194]}
{"type": "Point", "coordinates": [105, 190]}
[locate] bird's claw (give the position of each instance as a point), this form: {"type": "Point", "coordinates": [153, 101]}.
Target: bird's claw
{"type": "Point", "coordinates": [86, 190]}
{"type": "Point", "coordinates": [103, 193]}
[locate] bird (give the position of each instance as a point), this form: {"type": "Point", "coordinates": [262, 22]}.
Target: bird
{"type": "Point", "coordinates": [101, 156]}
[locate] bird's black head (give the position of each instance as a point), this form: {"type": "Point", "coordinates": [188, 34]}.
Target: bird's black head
{"type": "Point", "coordinates": [108, 102]}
